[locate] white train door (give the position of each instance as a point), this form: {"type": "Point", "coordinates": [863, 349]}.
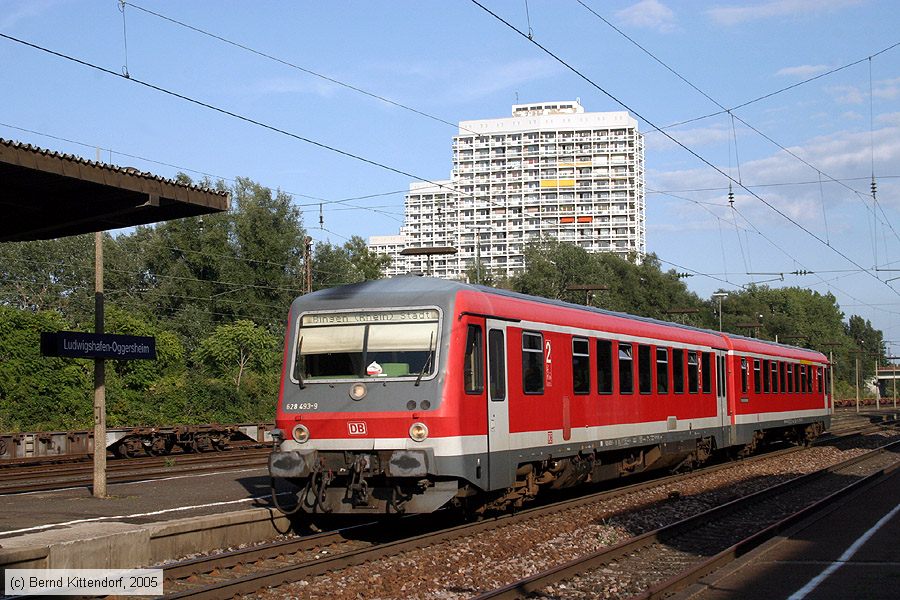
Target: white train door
{"type": "Point", "coordinates": [722, 395]}
{"type": "Point", "coordinates": [498, 406]}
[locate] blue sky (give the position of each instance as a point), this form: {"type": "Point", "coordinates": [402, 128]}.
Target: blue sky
{"type": "Point", "coordinates": [454, 61]}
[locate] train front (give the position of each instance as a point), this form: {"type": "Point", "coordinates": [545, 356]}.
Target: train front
{"type": "Point", "coordinates": [361, 407]}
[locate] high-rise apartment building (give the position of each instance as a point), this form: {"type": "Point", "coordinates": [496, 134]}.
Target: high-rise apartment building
{"type": "Point", "coordinates": [550, 170]}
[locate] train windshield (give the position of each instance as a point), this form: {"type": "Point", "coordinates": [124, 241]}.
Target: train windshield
{"type": "Point", "coordinates": [365, 345]}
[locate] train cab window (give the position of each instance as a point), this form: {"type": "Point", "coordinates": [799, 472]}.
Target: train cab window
{"type": "Point", "coordinates": [774, 368]}
{"type": "Point", "coordinates": [819, 387]}
{"type": "Point", "coordinates": [827, 383]}
{"type": "Point", "coordinates": [693, 372]}
{"type": "Point", "coordinates": [662, 370]}
{"type": "Point", "coordinates": [581, 366]}
{"type": "Point", "coordinates": [604, 367]}
{"type": "Point", "coordinates": [781, 372]}
{"type": "Point", "coordinates": [392, 344]}
{"type": "Point", "coordinates": [645, 373]}
{"type": "Point", "coordinates": [765, 375]}
{"type": "Point", "coordinates": [473, 363]}
{"type": "Point", "coordinates": [757, 379]}
{"type": "Point", "coordinates": [497, 365]}
{"type": "Point", "coordinates": [678, 371]}
{"type": "Point", "coordinates": [532, 363]}
{"type": "Point", "coordinates": [744, 375]}
{"type": "Point", "coordinates": [626, 369]}
{"type": "Point", "coordinates": [790, 378]}
{"type": "Point", "coordinates": [706, 372]}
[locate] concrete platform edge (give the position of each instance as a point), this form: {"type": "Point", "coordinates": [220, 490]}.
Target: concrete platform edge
{"type": "Point", "coordinates": [122, 545]}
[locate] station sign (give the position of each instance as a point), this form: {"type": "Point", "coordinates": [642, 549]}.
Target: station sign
{"type": "Point", "coordinates": [79, 344]}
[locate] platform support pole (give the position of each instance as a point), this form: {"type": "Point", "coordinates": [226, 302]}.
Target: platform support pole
{"type": "Point", "coordinates": [99, 376]}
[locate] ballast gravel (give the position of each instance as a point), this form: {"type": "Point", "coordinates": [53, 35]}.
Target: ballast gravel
{"type": "Point", "coordinates": [467, 566]}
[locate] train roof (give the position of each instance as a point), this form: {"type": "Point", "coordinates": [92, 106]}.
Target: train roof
{"type": "Point", "coordinates": [412, 289]}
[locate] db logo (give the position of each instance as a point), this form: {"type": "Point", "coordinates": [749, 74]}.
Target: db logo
{"type": "Point", "coordinates": [356, 428]}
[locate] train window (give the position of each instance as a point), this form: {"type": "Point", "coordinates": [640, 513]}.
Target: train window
{"type": "Point", "coordinates": [473, 364]}
{"type": "Point", "coordinates": [532, 363]}
{"type": "Point", "coordinates": [678, 371]}
{"type": "Point", "coordinates": [497, 365]}
{"type": "Point", "coordinates": [662, 370]}
{"type": "Point", "coordinates": [819, 379]}
{"type": "Point", "coordinates": [604, 367]}
{"type": "Point", "coordinates": [757, 380]}
{"type": "Point", "coordinates": [706, 372]}
{"type": "Point", "coordinates": [645, 373]}
{"type": "Point", "coordinates": [827, 383]}
{"type": "Point", "coordinates": [774, 368]}
{"type": "Point", "coordinates": [581, 366]}
{"type": "Point", "coordinates": [766, 370]}
{"type": "Point", "coordinates": [693, 373]}
{"type": "Point", "coordinates": [790, 378]}
{"type": "Point", "coordinates": [781, 370]}
{"type": "Point", "coordinates": [329, 348]}
{"type": "Point", "coordinates": [744, 375]}
{"type": "Point", "coordinates": [626, 369]}
{"type": "Point", "coordinates": [797, 379]}
{"type": "Point", "coordinates": [804, 378]}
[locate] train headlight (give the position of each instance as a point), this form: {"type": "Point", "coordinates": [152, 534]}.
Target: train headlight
{"type": "Point", "coordinates": [358, 391]}
{"type": "Point", "coordinates": [300, 433]}
{"type": "Point", "coordinates": [418, 432]}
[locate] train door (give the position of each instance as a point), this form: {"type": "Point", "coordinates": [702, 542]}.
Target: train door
{"type": "Point", "coordinates": [722, 396]}
{"type": "Point", "coordinates": [499, 473]}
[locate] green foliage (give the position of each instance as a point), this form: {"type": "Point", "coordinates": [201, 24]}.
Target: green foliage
{"type": "Point", "coordinates": [37, 392]}
{"type": "Point", "coordinates": [236, 348]}
{"type": "Point", "coordinates": [351, 263]}
{"type": "Point", "coordinates": [560, 270]}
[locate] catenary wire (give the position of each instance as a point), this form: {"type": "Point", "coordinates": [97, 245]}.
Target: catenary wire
{"type": "Point", "coordinates": [689, 150]}
{"type": "Point", "coordinates": [730, 112]}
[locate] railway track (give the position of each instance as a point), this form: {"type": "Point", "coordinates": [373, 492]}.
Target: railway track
{"type": "Point", "coordinates": [19, 479]}
{"type": "Point", "coordinates": [661, 562]}
{"type": "Point", "coordinates": [248, 570]}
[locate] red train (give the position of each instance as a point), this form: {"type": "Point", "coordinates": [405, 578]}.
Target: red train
{"type": "Point", "coordinates": [410, 394]}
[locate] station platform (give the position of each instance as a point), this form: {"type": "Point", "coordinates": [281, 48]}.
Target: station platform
{"type": "Point", "coordinates": [140, 523]}
{"type": "Point", "coordinates": [850, 551]}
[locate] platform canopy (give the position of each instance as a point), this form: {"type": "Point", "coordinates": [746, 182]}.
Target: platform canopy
{"type": "Point", "coordinates": [45, 194]}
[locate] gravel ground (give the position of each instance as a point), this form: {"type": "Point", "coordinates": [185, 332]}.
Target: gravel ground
{"type": "Point", "coordinates": [467, 566]}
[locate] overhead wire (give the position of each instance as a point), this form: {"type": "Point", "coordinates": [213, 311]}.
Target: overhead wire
{"type": "Point", "coordinates": [292, 65]}
{"type": "Point", "coordinates": [212, 176]}
{"type": "Point", "coordinates": [689, 150]}
{"type": "Point", "coordinates": [238, 116]}
{"type": "Point", "coordinates": [730, 111]}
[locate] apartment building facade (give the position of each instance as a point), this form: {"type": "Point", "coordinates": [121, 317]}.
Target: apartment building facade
{"type": "Point", "coordinates": [549, 170]}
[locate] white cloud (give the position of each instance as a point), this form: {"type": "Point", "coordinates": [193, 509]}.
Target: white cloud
{"type": "Point", "coordinates": [847, 94]}
{"type": "Point", "coordinates": [294, 85]}
{"type": "Point", "coordinates": [852, 115]}
{"type": "Point", "coordinates": [491, 78]}
{"type": "Point", "coordinates": [802, 71]}
{"type": "Point", "coordinates": [846, 154]}
{"type": "Point", "coordinates": [734, 15]}
{"type": "Point", "coordinates": [25, 10]}
{"type": "Point", "coordinates": [649, 14]}
{"type": "Point", "coordinates": [693, 138]}
{"type": "Point", "coordinates": [884, 89]}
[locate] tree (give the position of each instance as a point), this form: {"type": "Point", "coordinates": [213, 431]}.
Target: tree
{"type": "Point", "coordinates": [556, 270]}
{"type": "Point", "coordinates": [351, 263]}
{"type": "Point", "coordinates": [233, 349]}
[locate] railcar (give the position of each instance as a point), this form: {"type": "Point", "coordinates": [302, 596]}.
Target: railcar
{"type": "Point", "coordinates": [411, 394]}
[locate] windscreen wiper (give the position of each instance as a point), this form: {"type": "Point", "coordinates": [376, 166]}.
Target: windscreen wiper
{"type": "Point", "coordinates": [300, 373]}
{"type": "Point", "coordinates": [428, 359]}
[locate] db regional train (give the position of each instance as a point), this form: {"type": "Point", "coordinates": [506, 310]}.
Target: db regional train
{"type": "Point", "coordinates": [410, 394]}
